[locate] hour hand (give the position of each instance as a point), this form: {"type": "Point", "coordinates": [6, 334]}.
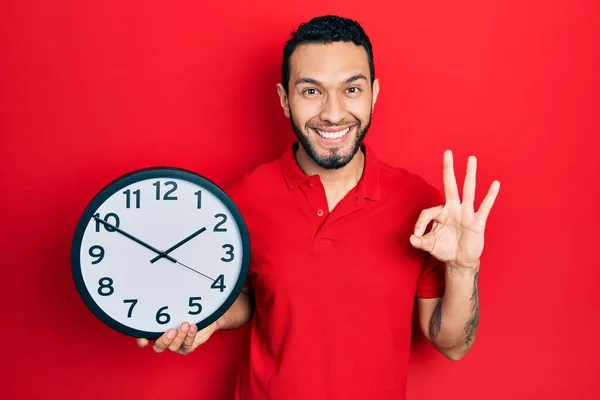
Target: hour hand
{"type": "Point", "coordinates": [184, 241]}
{"type": "Point", "coordinates": [146, 245]}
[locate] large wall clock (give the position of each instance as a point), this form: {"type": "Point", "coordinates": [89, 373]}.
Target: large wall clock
{"type": "Point", "coordinates": [157, 247]}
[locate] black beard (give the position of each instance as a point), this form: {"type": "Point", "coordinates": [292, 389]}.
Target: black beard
{"type": "Point", "coordinates": [334, 160]}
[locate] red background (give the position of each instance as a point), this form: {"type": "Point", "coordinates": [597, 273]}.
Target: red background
{"type": "Point", "coordinates": [92, 90]}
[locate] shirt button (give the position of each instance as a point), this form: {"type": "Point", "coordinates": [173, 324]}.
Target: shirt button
{"type": "Point", "coordinates": [320, 212]}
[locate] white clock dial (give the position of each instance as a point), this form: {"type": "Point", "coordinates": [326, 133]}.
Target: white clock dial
{"type": "Point", "coordinates": [180, 252]}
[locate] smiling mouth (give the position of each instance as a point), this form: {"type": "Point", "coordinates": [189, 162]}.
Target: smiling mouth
{"type": "Point", "coordinates": [333, 134]}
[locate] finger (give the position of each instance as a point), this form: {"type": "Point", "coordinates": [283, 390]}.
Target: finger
{"type": "Point", "coordinates": [426, 243]}
{"type": "Point", "coordinates": [425, 218]}
{"type": "Point", "coordinates": [488, 202]}
{"type": "Point", "coordinates": [469, 187]}
{"type": "Point", "coordinates": [181, 334]}
{"type": "Point", "coordinates": [142, 342]}
{"type": "Point", "coordinates": [188, 342]}
{"type": "Point", "coordinates": [450, 187]}
{"type": "Point", "coordinates": [164, 341]}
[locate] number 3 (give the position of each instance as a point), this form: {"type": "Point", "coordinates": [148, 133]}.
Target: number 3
{"type": "Point", "coordinates": [229, 253]}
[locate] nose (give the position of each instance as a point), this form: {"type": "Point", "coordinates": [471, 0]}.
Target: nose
{"type": "Point", "coordinates": [333, 110]}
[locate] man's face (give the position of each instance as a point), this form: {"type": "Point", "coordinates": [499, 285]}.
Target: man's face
{"type": "Point", "coordinates": [329, 100]}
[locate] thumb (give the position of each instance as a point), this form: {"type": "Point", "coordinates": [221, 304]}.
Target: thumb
{"type": "Point", "coordinates": [422, 242]}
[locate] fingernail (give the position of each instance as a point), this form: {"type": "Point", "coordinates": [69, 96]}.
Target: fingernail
{"type": "Point", "coordinates": [185, 327]}
{"type": "Point", "coordinates": [172, 334]}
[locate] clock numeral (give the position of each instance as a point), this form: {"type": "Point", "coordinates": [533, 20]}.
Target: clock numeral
{"type": "Point", "coordinates": [229, 253]}
{"type": "Point", "coordinates": [105, 283]}
{"type": "Point", "coordinates": [99, 254]}
{"type": "Point", "coordinates": [133, 303]}
{"type": "Point", "coordinates": [194, 303]}
{"type": "Point", "coordinates": [162, 317]}
{"type": "Point", "coordinates": [128, 198]}
{"type": "Point", "coordinates": [167, 196]}
{"type": "Point", "coordinates": [109, 215]}
{"type": "Point", "coordinates": [217, 227]}
{"type": "Point", "coordinates": [218, 283]}
{"type": "Point", "coordinates": [199, 195]}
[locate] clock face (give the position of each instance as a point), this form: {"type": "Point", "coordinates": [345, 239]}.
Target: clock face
{"type": "Point", "coordinates": [158, 247]}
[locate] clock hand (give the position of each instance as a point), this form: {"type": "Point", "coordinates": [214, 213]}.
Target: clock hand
{"type": "Point", "coordinates": [184, 241]}
{"type": "Point", "coordinates": [136, 239]}
{"type": "Point", "coordinates": [162, 254]}
{"type": "Point", "coordinates": [198, 272]}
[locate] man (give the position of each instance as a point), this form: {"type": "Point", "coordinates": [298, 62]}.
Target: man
{"type": "Point", "coordinates": [340, 247]}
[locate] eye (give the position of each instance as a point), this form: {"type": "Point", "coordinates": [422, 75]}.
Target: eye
{"type": "Point", "coordinates": [310, 91]}
{"type": "Point", "coordinates": [353, 90]}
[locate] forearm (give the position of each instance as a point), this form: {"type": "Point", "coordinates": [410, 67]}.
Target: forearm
{"type": "Point", "coordinates": [454, 323]}
{"type": "Point", "coordinates": [238, 314]}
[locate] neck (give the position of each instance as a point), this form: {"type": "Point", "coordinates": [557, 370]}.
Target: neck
{"type": "Point", "coordinates": [341, 179]}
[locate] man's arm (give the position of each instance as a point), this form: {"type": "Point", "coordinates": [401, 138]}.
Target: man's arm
{"type": "Point", "coordinates": [451, 322]}
{"type": "Point", "coordinates": [239, 313]}
{"type": "Point", "coordinates": [456, 238]}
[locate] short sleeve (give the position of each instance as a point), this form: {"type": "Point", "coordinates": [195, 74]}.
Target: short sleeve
{"type": "Point", "coordinates": [432, 279]}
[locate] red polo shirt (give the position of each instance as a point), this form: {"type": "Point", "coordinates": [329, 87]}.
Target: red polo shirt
{"type": "Point", "coordinates": [334, 291]}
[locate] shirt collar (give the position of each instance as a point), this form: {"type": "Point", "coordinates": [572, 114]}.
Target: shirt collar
{"type": "Point", "coordinates": [368, 186]}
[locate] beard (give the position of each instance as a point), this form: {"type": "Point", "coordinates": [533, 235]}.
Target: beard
{"type": "Point", "coordinates": [333, 160]}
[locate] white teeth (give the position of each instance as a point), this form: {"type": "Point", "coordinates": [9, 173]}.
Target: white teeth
{"type": "Point", "coordinates": [333, 135]}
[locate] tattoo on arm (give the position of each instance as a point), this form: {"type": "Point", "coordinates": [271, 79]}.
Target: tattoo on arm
{"type": "Point", "coordinates": [473, 323]}
{"type": "Point", "coordinates": [435, 323]}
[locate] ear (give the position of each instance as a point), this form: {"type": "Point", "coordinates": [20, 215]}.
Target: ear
{"type": "Point", "coordinates": [375, 93]}
{"type": "Point", "coordinates": [283, 99]}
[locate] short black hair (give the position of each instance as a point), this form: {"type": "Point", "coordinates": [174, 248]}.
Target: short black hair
{"type": "Point", "coordinates": [322, 30]}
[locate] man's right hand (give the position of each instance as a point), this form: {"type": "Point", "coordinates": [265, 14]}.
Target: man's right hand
{"type": "Point", "coordinates": [186, 338]}
{"type": "Point", "coordinates": [181, 341]}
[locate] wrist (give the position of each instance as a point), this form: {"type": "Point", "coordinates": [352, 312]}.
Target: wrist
{"type": "Point", "coordinates": [464, 264]}
{"type": "Point", "coordinates": [457, 270]}
{"type": "Point", "coordinates": [218, 324]}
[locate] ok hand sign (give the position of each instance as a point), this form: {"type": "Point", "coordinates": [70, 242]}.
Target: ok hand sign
{"type": "Point", "coordinates": [457, 235]}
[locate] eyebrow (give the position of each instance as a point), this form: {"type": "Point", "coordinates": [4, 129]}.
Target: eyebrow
{"type": "Point", "coordinates": [312, 81]}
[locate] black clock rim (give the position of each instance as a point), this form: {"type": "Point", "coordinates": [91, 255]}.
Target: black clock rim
{"type": "Point", "coordinates": [126, 180]}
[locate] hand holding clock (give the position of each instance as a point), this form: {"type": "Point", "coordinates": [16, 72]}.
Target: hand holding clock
{"type": "Point", "coordinates": [187, 337]}
{"type": "Point", "coordinates": [181, 341]}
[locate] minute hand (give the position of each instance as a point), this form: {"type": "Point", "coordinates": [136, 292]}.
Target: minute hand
{"type": "Point", "coordinates": [184, 241]}
{"type": "Point", "coordinates": [146, 245]}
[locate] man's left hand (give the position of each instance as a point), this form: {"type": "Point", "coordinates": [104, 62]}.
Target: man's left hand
{"type": "Point", "coordinates": [457, 234]}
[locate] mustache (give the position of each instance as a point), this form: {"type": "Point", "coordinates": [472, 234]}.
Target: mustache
{"type": "Point", "coordinates": [330, 125]}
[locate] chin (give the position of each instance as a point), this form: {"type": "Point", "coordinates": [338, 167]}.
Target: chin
{"type": "Point", "coordinates": [331, 157]}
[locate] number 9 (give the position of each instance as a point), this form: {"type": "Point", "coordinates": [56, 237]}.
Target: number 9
{"type": "Point", "coordinates": [99, 254]}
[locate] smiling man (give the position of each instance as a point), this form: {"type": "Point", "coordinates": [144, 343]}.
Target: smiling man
{"type": "Point", "coordinates": [340, 246]}
{"type": "Point", "coordinates": [332, 98]}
